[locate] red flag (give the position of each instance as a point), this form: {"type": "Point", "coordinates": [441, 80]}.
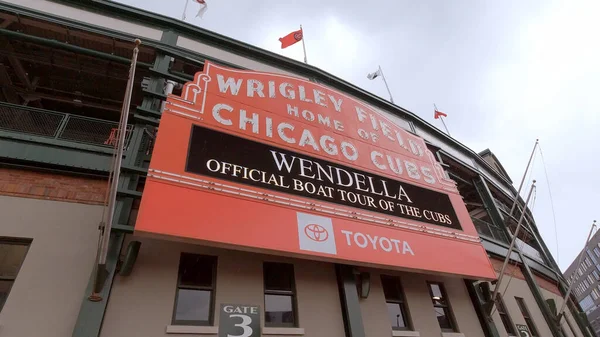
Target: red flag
{"type": "Point", "coordinates": [291, 38]}
{"type": "Point", "coordinates": [438, 114]}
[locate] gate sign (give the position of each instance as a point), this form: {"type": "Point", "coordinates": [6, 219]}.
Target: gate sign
{"type": "Point", "coordinates": [238, 320]}
{"type": "Point", "coordinates": [523, 330]}
{"type": "Point", "coordinates": [258, 161]}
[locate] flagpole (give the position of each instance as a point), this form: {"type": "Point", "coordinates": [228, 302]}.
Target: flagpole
{"type": "Point", "coordinates": [510, 249]}
{"type": "Point", "coordinates": [303, 45]}
{"type": "Point", "coordinates": [514, 205]}
{"type": "Point", "coordinates": [184, 10]}
{"type": "Point", "coordinates": [101, 271]}
{"type": "Point", "coordinates": [386, 85]}
{"type": "Point", "coordinates": [573, 277]}
{"type": "Point", "coordinates": [442, 119]}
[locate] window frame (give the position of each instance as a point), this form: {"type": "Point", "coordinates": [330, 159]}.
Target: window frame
{"type": "Point", "coordinates": [17, 242]}
{"type": "Point", "coordinates": [527, 316]}
{"type": "Point", "coordinates": [212, 288]}
{"type": "Point", "coordinates": [291, 293]}
{"type": "Point", "coordinates": [447, 308]}
{"type": "Point", "coordinates": [501, 307]}
{"type": "Point", "coordinates": [401, 302]}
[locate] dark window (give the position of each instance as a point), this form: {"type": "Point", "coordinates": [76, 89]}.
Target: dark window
{"type": "Point", "coordinates": [506, 321]}
{"type": "Point", "coordinates": [527, 317]}
{"type": "Point", "coordinates": [12, 255]}
{"type": "Point", "coordinates": [194, 300]}
{"type": "Point", "coordinates": [396, 305]}
{"type": "Point", "coordinates": [441, 306]}
{"type": "Point", "coordinates": [280, 295]}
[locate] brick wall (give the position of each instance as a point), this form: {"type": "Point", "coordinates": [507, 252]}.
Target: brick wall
{"type": "Point", "coordinates": [52, 186]}
{"type": "Point", "coordinates": [516, 272]}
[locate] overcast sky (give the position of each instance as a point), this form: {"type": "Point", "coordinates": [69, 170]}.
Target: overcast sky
{"type": "Point", "coordinates": [505, 72]}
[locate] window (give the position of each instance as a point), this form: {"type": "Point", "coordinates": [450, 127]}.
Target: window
{"type": "Point", "coordinates": [588, 262]}
{"type": "Point", "coordinates": [526, 316]}
{"type": "Point", "coordinates": [396, 305]}
{"type": "Point", "coordinates": [280, 295]}
{"type": "Point", "coordinates": [597, 251]}
{"type": "Point", "coordinates": [590, 278]}
{"type": "Point", "coordinates": [441, 306]}
{"type": "Point", "coordinates": [12, 255]}
{"type": "Point", "coordinates": [195, 296]}
{"type": "Point", "coordinates": [596, 276]}
{"type": "Point", "coordinates": [506, 321]}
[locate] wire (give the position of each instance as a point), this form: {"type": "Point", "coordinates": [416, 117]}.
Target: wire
{"type": "Point", "coordinates": [551, 204]}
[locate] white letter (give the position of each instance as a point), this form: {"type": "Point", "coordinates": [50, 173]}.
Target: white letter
{"type": "Point", "coordinates": [412, 170]}
{"type": "Point", "coordinates": [283, 161]}
{"type": "Point", "coordinates": [396, 242]}
{"type": "Point", "coordinates": [331, 148]}
{"type": "Point", "coordinates": [244, 120]}
{"type": "Point", "coordinates": [374, 156]}
{"type": "Point", "coordinates": [361, 114]}
{"type": "Point", "coordinates": [406, 248]}
{"type": "Point", "coordinates": [373, 240]}
{"type": "Point", "coordinates": [324, 120]}
{"type": "Point", "coordinates": [306, 167]}
{"type": "Point", "coordinates": [255, 86]}
{"type": "Point", "coordinates": [389, 244]}
{"type": "Point", "coordinates": [402, 193]}
{"type": "Point", "coordinates": [229, 84]}
{"type": "Point", "coordinates": [336, 103]}
{"type": "Point", "coordinates": [361, 245]}
{"type": "Point", "coordinates": [347, 233]}
{"type": "Point", "coordinates": [283, 126]}
{"type": "Point", "coordinates": [302, 94]}
{"type": "Point", "coordinates": [217, 113]}
{"type": "Point", "coordinates": [308, 139]}
{"type": "Point", "coordinates": [292, 110]}
{"type": "Point", "coordinates": [287, 93]}
{"type": "Point", "coordinates": [308, 115]}
{"type": "Point", "coordinates": [428, 176]}
{"type": "Point", "coordinates": [213, 161]}
{"type": "Point", "coordinates": [319, 97]}
{"type": "Point", "coordinates": [354, 155]}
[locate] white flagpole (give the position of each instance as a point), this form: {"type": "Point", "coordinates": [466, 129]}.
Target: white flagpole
{"type": "Point", "coordinates": [303, 45]}
{"type": "Point", "coordinates": [184, 10]}
{"type": "Point", "coordinates": [122, 131]}
{"type": "Point", "coordinates": [386, 85]}
{"type": "Point", "coordinates": [573, 277]}
{"type": "Point", "coordinates": [510, 249]}
{"type": "Point", "coordinates": [442, 119]}
{"type": "Point", "coordinates": [514, 205]}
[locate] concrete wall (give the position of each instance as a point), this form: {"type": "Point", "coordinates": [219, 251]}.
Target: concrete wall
{"type": "Point", "coordinates": [152, 286]}
{"type": "Point", "coordinates": [73, 13]}
{"type": "Point", "coordinates": [559, 300]}
{"type": "Point", "coordinates": [47, 294]}
{"type": "Point", "coordinates": [420, 307]}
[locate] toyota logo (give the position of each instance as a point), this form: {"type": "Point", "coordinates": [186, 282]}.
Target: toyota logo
{"type": "Point", "coordinates": [316, 232]}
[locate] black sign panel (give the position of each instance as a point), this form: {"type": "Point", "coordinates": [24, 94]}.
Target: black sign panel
{"type": "Point", "coordinates": [523, 330]}
{"type": "Point", "coordinates": [219, 155]}
{"type": "Point", "coordinates": [239, 320]}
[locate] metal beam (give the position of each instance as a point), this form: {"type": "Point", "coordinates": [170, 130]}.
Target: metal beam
{"type": "Point", "coordinates": [65, 46]}
{"type": "Point", "coordinates": [352, 315]}
{"type": "Point", "coordinates": [7, 86]}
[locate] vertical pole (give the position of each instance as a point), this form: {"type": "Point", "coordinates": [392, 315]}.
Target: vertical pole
{"type": "Point", "coordinates": [510, 249]}
{"type": "Point", "coordinates": [573, 277]}
{"type": "Point", "coordinates": [184, 10]}
{"type": "Point", "coordinates": [303, 45]}
{"type": "Point", "coordinates": [101, 268]}
{"type": "Point", "coordinates": [442, 119]}
{"type": "Point", "coordinates": [386, 85]}
{"type": "Point", "coordinates": [514, 205]}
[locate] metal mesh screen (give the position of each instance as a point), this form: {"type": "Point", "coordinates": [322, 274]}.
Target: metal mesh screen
{"type": "Point", "coordinates": [91, 131]}
{"type": "Point", "coordinates": [487, 229]}
{"type": "Point", "coordinates": [42, 123]}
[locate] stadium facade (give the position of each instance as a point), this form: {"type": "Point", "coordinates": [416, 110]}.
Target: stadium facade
{"type": "Point", "coordinates": [257, 195]}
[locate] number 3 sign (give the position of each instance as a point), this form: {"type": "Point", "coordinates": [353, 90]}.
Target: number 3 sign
{"type": "Point", "coordinates": [238, 320]}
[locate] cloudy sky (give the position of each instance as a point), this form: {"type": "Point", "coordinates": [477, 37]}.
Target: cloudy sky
{"type": "Point", "coordinates": [505, 72]}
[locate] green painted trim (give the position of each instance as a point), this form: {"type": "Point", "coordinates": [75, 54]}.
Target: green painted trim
{"type": "Point", "coordinates": [353, 324]}
{"type": "Point", "coordinates": [91, 314]}
{"type": "Point", "coordinates": [539, 298]}
{"type": "Point", "coordinates": [51, 142]}
{"type": "Point", "coordinates": [145, 120]}
{"type": "Point", "coordinates": [487, 323]}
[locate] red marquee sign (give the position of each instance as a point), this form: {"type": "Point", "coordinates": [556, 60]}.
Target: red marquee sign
{"type": "Point", "coordinates": [257, 161]}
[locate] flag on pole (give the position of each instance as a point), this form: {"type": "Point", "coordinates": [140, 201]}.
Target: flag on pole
{"type": "Point", "coordinates": [374, 75]}
{"type": "Point", "coordinates": [291, 38]}
{"type": "Point", "coordinates": [437, 114]}
{"type": "Point", "coordinates": [203, 8]}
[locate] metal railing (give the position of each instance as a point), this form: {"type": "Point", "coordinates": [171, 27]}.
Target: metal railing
{"type": "Point", "coordinates": [487, 229]}
{"type": "Point", "coordinates": [58, 125]}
